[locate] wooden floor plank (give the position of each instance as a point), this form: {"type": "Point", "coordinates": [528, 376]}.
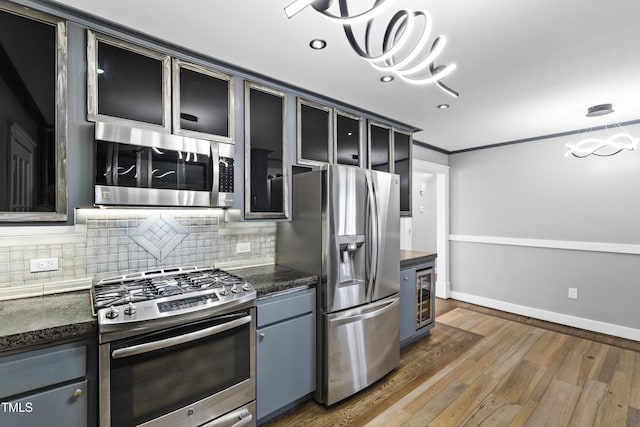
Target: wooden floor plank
{"type": "Point", "coordinates": [516, 353]}
{"type": "Point", "coordinates": [634, 395]}
{"type": "Point", "coordinates": [616, 406]}
{"type": "Point", "coordinates": [437, 405]}
{"type": "Point", "coordinates": [556, 406]}
{"type": "Point", "coordinates": [465, 404]}
{"type": "Point", "coordinates": [588, 411]}
{"type": "Point", "coordinates": [545, 349]}
{"type": "Point", "coordinates": [633, 417]}
{"type": "Point", "coordinates": [521, 381]}
{"type": "Point", "coordinates": [493, 411]}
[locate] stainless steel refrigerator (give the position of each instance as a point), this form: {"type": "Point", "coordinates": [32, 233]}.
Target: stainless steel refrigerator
{"type": "Point", "coordinates": [345, 228]}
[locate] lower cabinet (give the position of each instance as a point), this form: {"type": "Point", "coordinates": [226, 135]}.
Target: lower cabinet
{"type": "Point", "coordinates": [45, 387]}
{"type": "Point", "coordinates": [285, 352]}
{"type": "Point", "coordinates": [417, 301]}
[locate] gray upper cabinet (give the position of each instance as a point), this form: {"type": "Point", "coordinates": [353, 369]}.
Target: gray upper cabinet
{"type": "Point", "coordinates": [380, 147]}
{"type": "Point", "coordinates": [402, 143]}
{"type": "Point", "coordinates": [33, 115]}
{"type": "Point", "coordinates": [266, 163]}
{"type": "Point", "coordinates": [202, 102]}
{"type": "Point", "coordinates": [314, 133]}
{"type": "Point", "coordinates": [127, 83]}
{"type": "Point", "coordinates": [348, 146]}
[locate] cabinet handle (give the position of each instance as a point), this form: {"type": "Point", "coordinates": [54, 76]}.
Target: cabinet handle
{"type": "Point", "coordinates": [77, 393]}
{"type": "Point", "coordinates": [406, 278]}
{"type": "Point", "coordinates": [261, 336]}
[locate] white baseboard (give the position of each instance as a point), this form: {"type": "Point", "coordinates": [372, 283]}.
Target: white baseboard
{"type": "Point", "coordinates": [550, 316]}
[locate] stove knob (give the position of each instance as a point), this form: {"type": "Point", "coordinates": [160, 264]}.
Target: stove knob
{"type": "Point", "coordinates": [130, 310]}
{"type": "Point", "coordinates": [235, 289]}
{"type": "Point", "coordinates": [224, 291]}
{"type": "Point", "coordinates": [246, 287]}
{"type": "Point", "coordinates": [112, 313]}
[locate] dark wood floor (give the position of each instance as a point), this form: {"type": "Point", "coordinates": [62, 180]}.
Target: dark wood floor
{"type": "Point", "coordinates": [482, 367]}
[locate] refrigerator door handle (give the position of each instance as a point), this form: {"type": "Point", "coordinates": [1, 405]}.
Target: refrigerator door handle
{"type": "Point", "coordinates": [372, 235]}
{"type": "Point", "coordinates": [371, 310]}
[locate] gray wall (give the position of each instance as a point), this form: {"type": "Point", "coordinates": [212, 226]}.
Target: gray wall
{"type": "Point", "coordinates": [532, 191]}
{"type": "Point", "coordinates": [423, 153]}
{"type": "Point", "coordinates": [424, 221]}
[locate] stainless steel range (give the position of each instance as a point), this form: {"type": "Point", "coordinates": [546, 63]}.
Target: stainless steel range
{"type": "Point", "coordinates": [177, 348]}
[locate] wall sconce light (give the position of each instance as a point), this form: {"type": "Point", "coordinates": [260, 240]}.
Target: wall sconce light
{"type": "Point", "coordinates": [404, 51]}
{"type": "Point", "coordinates": [617, 138]}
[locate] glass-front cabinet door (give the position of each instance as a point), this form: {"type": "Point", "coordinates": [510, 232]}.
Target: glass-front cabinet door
{"type": "Point", "coordinates": [127, 83]}
{"type": "Point", "coordinates": [266, 163]}
{"type": "Point", "coordinates": [202, 102]}
{"type": "Point", "coordinates": [379, 147]}
{"type": "Point", "coordinates": [33, 115]}
{"type": "Point", "coordinates": [314, 133]}
{"type": "Point", "coordinates": [347, 136]}
{"type": "Point", "coordinates": [402, 166]}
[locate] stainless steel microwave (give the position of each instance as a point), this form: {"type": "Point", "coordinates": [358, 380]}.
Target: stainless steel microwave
{"type": "Point", "coordinates": [141, 167]}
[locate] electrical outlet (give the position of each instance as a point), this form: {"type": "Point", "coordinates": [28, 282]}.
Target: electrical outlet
{"type": "Point", "coordinates": [573, 293]}
{"type": "Point", "coordinates": [44, 264]}
{"type": "Point", "coordinates": [243, 248]}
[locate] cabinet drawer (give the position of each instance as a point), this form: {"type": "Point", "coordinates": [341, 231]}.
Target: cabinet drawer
{"type": "Point", "coordinates": [271, 310]}
{"type": "Point", "coordinates": [41, 368]}
{"type": "Point", "coordinates": [62, 406]}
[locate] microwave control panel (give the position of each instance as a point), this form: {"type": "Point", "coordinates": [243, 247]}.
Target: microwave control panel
{"type": "Point", "coordinates": [225, 175]}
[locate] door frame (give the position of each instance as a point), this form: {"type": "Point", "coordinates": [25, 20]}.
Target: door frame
{"type": "Point", "coordinates": [443, 283]}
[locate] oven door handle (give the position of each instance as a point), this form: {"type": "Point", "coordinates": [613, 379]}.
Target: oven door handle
{"type": "Point", "coordinates": [243, 416]}
{"type": "Point", "coordinates": [182, 339]}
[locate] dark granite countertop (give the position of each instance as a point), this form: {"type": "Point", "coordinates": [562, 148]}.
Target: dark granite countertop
{"type": "Point", "coordinates": [35, 322]}
{"type": "Point", "coordinates": [30, 323]}
{"type": "Point", "coordinates": [411, 258]}
{"type": "Point", "coordinates": [272, 280]}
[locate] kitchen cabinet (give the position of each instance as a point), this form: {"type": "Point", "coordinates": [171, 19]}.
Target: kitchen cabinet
{"type": "Point", "coordinates": [43, 385]}
{"type": "Point", "coordinates": [379, 147]}
{"type": "Point", "coordinates": [314, 133]}
{"type": "Point", "coordinates": [402, 166]}
{"type": "Point", "coordinates": [285, 351]}
{"type": "Point", "coordinates": [33, 115]}
{"type": "Point", "coordinates": [266, 166]}
{"type": "Point", "coordinates": [417, 301]}
{"type": "Point", "coordinates": [202, 102]}
{"type": "Point", "coordinates": [127, 83]}
{"type": "Point", "coordinates": [348, 147]}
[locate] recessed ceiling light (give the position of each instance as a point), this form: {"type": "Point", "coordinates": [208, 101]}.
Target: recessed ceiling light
{"type": "Point", "coordinates": [443, 106]}
{"type": "Point", "coordinates": [386, 79]}
{"type": "Point", "coordinates": [318, 44]}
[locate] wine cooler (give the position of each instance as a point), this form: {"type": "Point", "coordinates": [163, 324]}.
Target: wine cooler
{"type": "Point", "coordinates": [425, 297]}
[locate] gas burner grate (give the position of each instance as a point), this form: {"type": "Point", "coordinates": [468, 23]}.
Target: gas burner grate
{"type": "Point", "coordinates": [151, 285]}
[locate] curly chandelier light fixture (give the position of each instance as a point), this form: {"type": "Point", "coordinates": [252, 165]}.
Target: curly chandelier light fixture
{"type": "Point", "coordinates": [617, 139]}
{"type": "Point", "coordinates": [405, 51]}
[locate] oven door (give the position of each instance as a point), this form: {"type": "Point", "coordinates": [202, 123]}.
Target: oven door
{"type": "Point", "coordinates": [187, 375]}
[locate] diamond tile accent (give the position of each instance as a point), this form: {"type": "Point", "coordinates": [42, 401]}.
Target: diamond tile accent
{"type": "Point", "coordinates": [159, 235]}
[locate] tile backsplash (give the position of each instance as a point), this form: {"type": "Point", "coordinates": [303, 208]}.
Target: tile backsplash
{"type": "Point", "coordinates": [111, 242]}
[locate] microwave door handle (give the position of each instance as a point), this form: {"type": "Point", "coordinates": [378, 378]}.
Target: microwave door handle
{"type": "Point", "coordinates": [169, 342]}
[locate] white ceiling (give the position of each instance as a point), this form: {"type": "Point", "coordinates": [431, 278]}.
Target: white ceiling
{"type": "Point", "coordinates": [525, 68]}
